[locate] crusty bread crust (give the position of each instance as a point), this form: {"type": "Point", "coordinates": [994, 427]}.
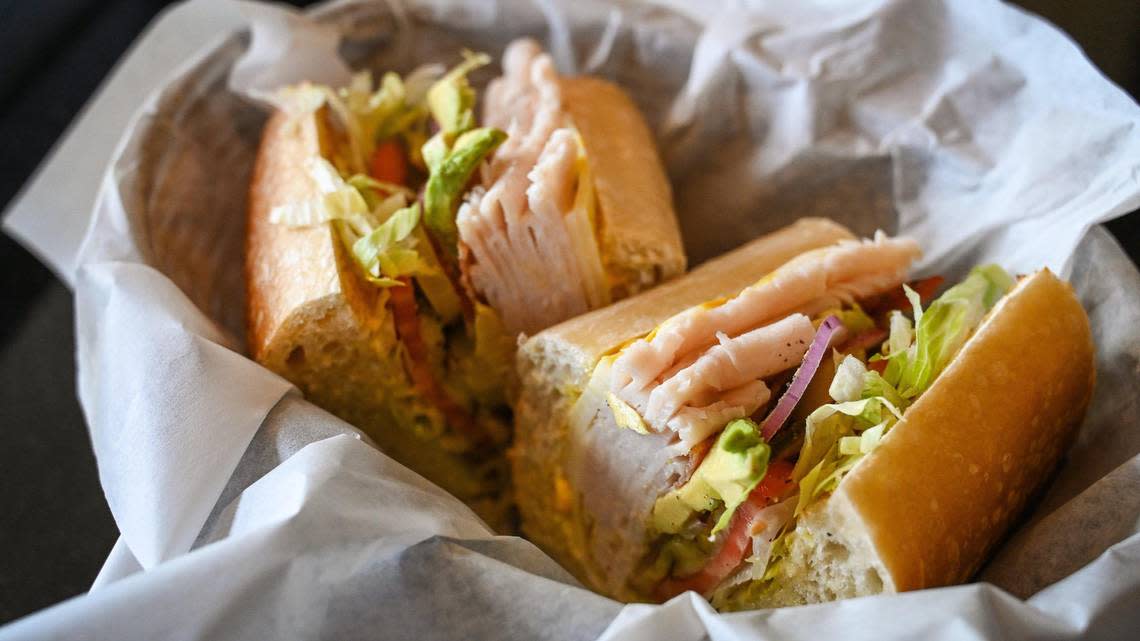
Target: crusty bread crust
{"type": "Point", "coordinates": [981, 441]}
{"type": "Point", "coordinates": [288, 269]}
{"type": "Point", "coordinates": [927, 506]}
{"type": "Point", "coordinates": [639, 238]}
{"type": "Point", "coordinates": [555, 364]}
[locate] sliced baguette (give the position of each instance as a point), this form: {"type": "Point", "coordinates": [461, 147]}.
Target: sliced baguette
{"type": "Point", "coordinates": [555, 366]}
{"type": "Point", "coordinates": [926, 507]}
{"type": "Point", "coordinates": [922, 510]}
{"type": "Point", "coordinates": [639, 238]}
{"type": "Point", "coordinates": [314, 320]}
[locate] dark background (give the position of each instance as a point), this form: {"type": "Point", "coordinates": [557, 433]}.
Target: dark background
{"type": "Point", "coordinates": [55, 529]}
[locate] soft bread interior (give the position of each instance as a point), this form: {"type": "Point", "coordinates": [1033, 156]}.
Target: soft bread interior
{"type": "Point", "coordinates": [316, 322]}
{"type": "Point", "coordinates": [925, 508]}
{"type": "Point", "coordinates": [556, 364]}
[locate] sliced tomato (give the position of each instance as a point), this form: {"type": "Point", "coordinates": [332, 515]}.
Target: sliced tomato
{"type": "Point", "coordinates": [776, 484]}
{"type": "Point", "coordinates": [389, 162]}
{"type": "Point", "coordinates": [407, 322]}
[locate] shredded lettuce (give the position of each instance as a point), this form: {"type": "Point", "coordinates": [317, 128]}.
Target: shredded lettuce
{"type": "Point", "coordinates": [451, 99]}
{"type": "Point", "coordinates": [387, 253]}
{"type": "Point", "coordinates": [875, 386]}
{"type": "Point", "coordinates": [942, 329]}
{"type": "Point", "coordinates": [734, 467]}
{"type": "Point", "coordinates": [839, 435]}
{"type": "Point", "coordinates": [374, 191]}
{"type": "Point", "coordinates": [827, 455]}
{"type": "Point", "coordinates": [450, 172]}
{"type": "Point", "coordinates": [367, 113]}
{"type": "Point", "coordinates": [902, 333]}
{"type": "Point", "coordinates": [847, 384]}
{"type": "Point", "coordinates": [335, 200]}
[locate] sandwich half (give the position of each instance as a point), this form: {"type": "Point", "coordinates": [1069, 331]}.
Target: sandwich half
{"type": "Point", "coordinates": [771, 435]}
{"type": "Point", "coordinates": [396, 249]}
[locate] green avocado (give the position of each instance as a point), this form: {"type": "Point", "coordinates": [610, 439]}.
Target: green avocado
{"type": "Point", "coordinates": [450, 171]}
{"type": "Point", "coordinates": [735, 465]}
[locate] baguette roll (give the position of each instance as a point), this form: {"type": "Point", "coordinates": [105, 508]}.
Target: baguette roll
{"type": "Point", "coordinates": [606, 477]}
{"type": "Point", "coordinates": [366, 283]}
{"type": "Point", "coordinates": [566, 482]}
{"type": "Point", "coordinates": [926, 507]}
{"type": "Point", "coordinates": [574, 210]}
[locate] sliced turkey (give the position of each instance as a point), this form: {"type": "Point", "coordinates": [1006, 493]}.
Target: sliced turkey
{"type": "Point", "coordinates": [681, 378]}
{"type": "Point", "coordinates": [527, 242]}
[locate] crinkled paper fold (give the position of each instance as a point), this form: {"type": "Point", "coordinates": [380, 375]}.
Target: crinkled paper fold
{"type": "Point", "coordinates": [246, 512]}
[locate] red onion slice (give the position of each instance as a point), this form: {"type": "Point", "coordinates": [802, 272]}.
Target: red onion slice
{"type": "Point", "coordinates": [814, 356]}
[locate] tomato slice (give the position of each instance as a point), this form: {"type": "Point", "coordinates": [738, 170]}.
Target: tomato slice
{"type": "Point", "coordinates": [776, 484]}
{"type": "Point", "coordinates": [389, 162]}
{"type": "Point", "coordinates": [407, 322]}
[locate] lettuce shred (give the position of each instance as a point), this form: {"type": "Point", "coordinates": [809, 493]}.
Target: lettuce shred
{"type": "Point", "coordinates": [388, 252]}
{"type": "Point", "coordinates": [367, 113]}
{"type": "Point", "coordinates": [829, 452]}
{"type": "Point", "coordinates": [941, 330]}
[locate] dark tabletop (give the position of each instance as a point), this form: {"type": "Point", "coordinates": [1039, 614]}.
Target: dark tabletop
{"type": "Point", "coordinates": [55, 529]}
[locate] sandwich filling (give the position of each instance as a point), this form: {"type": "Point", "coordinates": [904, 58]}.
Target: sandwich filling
{"type": "Point", "coordinates": [395, 161]}
{"type": "Point", "coordinates": [772, 397]}
{"type": "Point", "coordinates": [468, 234]}
{"type": "Point", "coordinates": [529, 231]}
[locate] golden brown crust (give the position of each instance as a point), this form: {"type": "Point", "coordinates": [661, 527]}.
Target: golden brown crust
{"type": "Point", "coordinates": [277, 282]}
{"type": "Point", "coordinates": [639, 236]}
{"type": "Point", "coordinates": [289, 268]}
{"type": "Point", "coordinates": [952, 476]}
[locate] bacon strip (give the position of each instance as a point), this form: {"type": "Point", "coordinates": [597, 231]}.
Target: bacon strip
{"type": "Point", "coordinates": [896, 298]}
{"type": "Point", "coordinates": [407, 322]}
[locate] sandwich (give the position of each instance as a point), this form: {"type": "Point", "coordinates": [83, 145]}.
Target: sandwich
{"type": "Point", "coordinates": [797, 422]}
{"type": "Point", "coordinates": [397, 248]}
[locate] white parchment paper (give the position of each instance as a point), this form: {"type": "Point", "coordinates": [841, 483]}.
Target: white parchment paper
{"type": "Point", "coordinates": [246, 512]}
